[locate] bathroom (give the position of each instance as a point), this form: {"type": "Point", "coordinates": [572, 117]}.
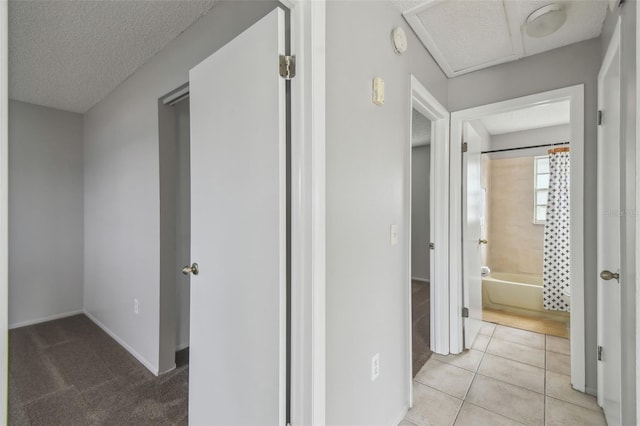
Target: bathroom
{"type": "Point", "coordinates": [524, 229]}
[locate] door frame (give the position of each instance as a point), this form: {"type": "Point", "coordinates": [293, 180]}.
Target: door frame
{"type": "Point", "coordinates": [613, 49]}
{"type": "Point", "coordinates": [308, 212]}
{"type": "Point", "coordinates": [4, 191]}
{"type": "Point", "coordinates": [575, 94]}
{"type": "Point", "coordinates": [637, 236]}
{"type": "Point", "coordinates": [423, 101]}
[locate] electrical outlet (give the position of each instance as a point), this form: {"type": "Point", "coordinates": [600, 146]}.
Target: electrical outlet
{"type": "Point", "coordinates": [135, 307]}
{"type": "Point", "coordinates": [375, 367]}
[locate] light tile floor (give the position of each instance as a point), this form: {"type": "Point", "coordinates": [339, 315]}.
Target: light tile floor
{"type": "Point", "coordinates": [509, 377]}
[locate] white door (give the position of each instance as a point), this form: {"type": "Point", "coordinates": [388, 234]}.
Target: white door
{"type": "Point", "coordinates": [238, 227]}
{"type": "Point", "coordinates": [472, 206]}
{"type": "Point", "coordinates": [609, 337]}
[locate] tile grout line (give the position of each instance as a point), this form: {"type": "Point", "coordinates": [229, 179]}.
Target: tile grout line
{"type": "Point", "coordinates": [473, 379]}
{"type": "Point", "coordinates": [511, 384]}
{"type": "Point", "coordinates": [478, 374]}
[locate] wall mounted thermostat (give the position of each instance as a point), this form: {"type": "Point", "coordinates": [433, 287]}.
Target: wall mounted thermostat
{"type": "Point", "coordinates": [399, 40]}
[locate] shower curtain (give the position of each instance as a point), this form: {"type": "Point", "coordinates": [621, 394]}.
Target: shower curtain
{"type": "Point", "coordinates": [556, 232]}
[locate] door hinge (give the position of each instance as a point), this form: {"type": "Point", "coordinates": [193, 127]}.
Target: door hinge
{"type": "Point", "coordinates": [465, 312]}
{"type": "Point", "coordinates": [287, 67]}
{"type": "Point", "coordinates": [465, 146]}
{"type": "Point", "coordinates": [432, 246]}
{"type": "Point", "coordinates": [599, 353]}
{"type": "Point", "coordinates": [600, 114]}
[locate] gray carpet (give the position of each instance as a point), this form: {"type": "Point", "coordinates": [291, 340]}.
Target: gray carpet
{"type": "Point", "coordinates": [70, 372]}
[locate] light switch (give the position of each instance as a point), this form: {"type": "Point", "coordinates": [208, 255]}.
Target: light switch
{"type": "Point", "coordinates": [394, 235]}
{"type": "Point", "coordinates": [378, 91]}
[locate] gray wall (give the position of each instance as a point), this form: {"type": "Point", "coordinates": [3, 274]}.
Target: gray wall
{"type": "Point", "coordinates": [545, 135]}
{"type": "Point", "coordinates": [575, 64]}
{"type": "Point", "coordinates": [628, 169]}
{"type": "Point", "coordinates": [122, 190]}
{"type": "Point", "coordinates": [367, 189]}
{"type": "Point", "coordinates": [45, 213]}
{"type": "Point", "coordinates": [420, 232]}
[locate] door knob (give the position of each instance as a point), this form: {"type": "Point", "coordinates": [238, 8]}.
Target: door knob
{"type": "Point", "coordinates": [481, 241]}
{"type": "Point", "coordinates": [608, 275]}
{"type": "Point", "coordinates": [193, 269]}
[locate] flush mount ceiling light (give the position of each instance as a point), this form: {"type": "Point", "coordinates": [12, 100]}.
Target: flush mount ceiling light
{"type": "Point", "coordinates": [546, 20]}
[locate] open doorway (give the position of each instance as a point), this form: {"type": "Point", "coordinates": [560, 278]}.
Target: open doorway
{"type": "Point", "coordinates": [420, 239]}
{"type": "Point", "coordinates": [175, 224]}
{"type": "Point", "coordinates": [183, 229]}
{"type": "Point", "coordinates": [427, 276]}
{"type": "Point", "coordinates": [525, 217]}
{"type": "Point", "coordinates": [554, 299]}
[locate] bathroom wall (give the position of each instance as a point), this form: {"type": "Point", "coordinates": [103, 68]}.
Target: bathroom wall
{"type": "Point", "coordinates": [515, 243]}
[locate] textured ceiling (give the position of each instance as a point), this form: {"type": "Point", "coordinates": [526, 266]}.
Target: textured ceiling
{"type": "Point", "coordinates": [547, 115]}
{"type": "Point", "coordinates": [70, 54]}
{"type": "Point", "coordinates": [467, 35]}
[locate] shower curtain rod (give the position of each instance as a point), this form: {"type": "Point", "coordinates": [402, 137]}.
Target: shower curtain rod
{"type": "Point", "coordinates": [525, 147]}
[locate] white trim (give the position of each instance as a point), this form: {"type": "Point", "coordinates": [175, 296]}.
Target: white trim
{"type": "Point", "coordinates": [613, 50]}
{"type": "Point", "coordinates": [422, 100]}
{"type": "Point", "coordinates": [422, 280]}
{"type": "Point", "coordinates": [575, 94]}
{"type": "Point", "coordinates": [4, 236]}
{"type": "Point", "coordinates": [308, 283]}
{"type": "Point", "coordinates": [45, 319]}
{"type": "Point", "coordinates": [637, 210]}
{"type": "Point", "coordinates": [537, 189]}
{"type": "Point", "coordinates": [124, 344]}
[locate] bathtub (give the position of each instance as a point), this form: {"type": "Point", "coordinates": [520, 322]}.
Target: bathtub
{"type": "Point", "coordinates": [516, 293]}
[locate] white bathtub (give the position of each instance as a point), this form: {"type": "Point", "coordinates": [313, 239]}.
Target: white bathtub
{"type": "Point", "coordinates": [517, 293]}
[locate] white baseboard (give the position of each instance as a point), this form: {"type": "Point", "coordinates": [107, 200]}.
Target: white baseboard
{"type": "Point", "coordinates": [420, 279]}
{"type": "Point", "coordinates": [44, 319]}
{"type": "Point", "coordinates": [400, 416]}
{"type": "Point", "coordinates": [122, 343]}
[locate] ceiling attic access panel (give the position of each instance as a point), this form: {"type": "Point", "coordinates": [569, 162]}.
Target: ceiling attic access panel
{"type": "Point", "coordinates": [469, 35]}
{"type": "Point", "coordinates": [464, 36]}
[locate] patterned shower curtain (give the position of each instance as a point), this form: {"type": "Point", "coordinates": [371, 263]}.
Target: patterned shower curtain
{"type": "Point", "coordinates": [556, 231]}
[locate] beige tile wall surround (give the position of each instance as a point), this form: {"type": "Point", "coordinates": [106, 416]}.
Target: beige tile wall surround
{"type": "Point", "coordinates": [515, 243]}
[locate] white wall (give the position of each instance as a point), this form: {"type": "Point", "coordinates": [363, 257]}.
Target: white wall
{"type": "Point", "coordinates": [45, 213]}
{"type": "Point", "coordinates": [122, 194]}
{"type": "Point", "coordinates": [367, 159]}
{"type": "Point", "coordinates": [629, 171]}
{"type": "Point", "coordinates": [574, 64]}
{"type": "Point", "coordinates": [420, 232]}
